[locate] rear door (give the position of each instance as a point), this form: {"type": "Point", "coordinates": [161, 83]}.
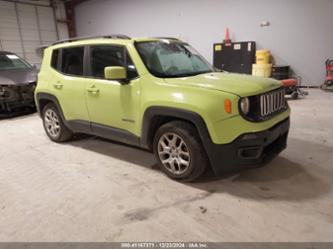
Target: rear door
{"type": "Point", "coordinates": [68, 82]}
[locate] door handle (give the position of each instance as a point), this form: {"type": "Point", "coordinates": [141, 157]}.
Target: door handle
{"type": "Point", "coordinates": [93, 90]}
{"type": "Point", "coordinates": [58, 85]}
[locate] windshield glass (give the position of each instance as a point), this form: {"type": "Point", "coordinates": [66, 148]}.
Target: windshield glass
{"type": "Point", "coordinates": [170, 59]}
{"type": "Point", "coordinates": [12, 61]}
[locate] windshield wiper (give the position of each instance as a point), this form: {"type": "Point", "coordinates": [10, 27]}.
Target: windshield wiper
{"type": "Point", "coordinates": [185, 74]}
{"type": "Point", "coordinates": [198, 73]}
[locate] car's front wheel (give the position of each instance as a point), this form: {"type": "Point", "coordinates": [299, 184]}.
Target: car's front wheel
{"type": "Point", "coordinates": [179, 151]}
{"type": "Point", "coordinates": [54, 126]}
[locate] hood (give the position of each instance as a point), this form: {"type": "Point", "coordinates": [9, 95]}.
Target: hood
{"type": "Point", "coordinates": [239, 84]}
{"type": "Point", "coordinates": [18, 76]}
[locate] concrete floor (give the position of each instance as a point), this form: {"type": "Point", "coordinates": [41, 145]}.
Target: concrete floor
{"type": "Point", "coordinates": [95, 190]}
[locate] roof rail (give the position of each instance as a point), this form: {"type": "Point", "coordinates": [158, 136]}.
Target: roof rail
{"type": "Point", "coordinates": [92, 37]}
{"type": "Point", "coordinates": [167, 38]}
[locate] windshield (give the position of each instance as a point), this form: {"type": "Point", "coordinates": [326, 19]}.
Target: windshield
{"type": "Point", "coordinates": [12, 61]}
{"type": "Point", "coordinates": [170, 59]}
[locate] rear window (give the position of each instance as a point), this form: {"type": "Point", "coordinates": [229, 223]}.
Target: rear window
{"type": "Point", "coordinates": [72, 61]}
{"type": "Point", "coordinates": [68, 60]}
{"type": "Point", "coordinates": [54, 59]}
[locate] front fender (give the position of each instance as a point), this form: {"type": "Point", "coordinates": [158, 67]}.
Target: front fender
{"type": "Point", "coordinates": [162, 111]}
{"type": "Point", "coordinates": [208, 104]}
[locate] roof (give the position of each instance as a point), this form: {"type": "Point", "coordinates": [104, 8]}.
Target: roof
{"type": "Point", "coordinates": [119, 39]}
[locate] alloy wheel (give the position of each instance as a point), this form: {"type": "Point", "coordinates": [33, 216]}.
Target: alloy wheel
{"type": "Point", "coordinates": [173, 153]}
{"type": "Point", "coordinates": [52, 123]}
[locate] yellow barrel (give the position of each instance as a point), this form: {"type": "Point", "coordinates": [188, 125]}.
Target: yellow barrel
{"type": "Point", "coordinates": [262, 70]}
{"type": "Point", "coordinates": [263, 56]}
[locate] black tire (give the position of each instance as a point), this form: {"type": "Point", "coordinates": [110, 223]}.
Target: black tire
{"type": "Point", "coordinates": [198, 161]}
{"type": "Point", "coordinates": [294, 95]}
{"type": "Point", "coordinates": [63, 134]}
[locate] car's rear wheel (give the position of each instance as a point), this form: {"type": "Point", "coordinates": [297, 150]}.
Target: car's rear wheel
{"type": "Point", "coordinates": [294, 95]}
{"type": "Point", "coordinates": [54, 126]}
{"type": "Point", "coordinates": [179, 151]}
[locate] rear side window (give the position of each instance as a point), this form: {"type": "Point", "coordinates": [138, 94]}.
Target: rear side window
{"type": "Point", "coordinates": [72, 61]}
{"type": "Point", "coordinates": [105, 56]}
{"type": "Point", "coordinates": [54, 59]}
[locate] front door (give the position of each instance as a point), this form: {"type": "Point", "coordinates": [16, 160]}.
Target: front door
{"type": "Point", "coordinates": [112, 105]}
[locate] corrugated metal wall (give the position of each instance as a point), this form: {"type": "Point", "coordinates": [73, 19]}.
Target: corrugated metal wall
{"type": "Point", "coordinates": [24, 27]}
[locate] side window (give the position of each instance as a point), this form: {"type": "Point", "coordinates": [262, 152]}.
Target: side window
{"type": "Point", "coordinates": [54, 59]}
{"type": "Point", "coordinates": [72, 61]}
{"type": "Point", "coordinates": [105, 56]}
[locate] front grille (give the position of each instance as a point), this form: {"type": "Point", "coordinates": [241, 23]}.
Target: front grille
{"type": "Point", "coordinates": [266, 105]}
{"type": "Point", "coordinates": [272, 103]}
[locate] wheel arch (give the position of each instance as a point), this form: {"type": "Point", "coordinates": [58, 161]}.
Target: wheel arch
{"type": "Point", "coordinates": [42, 99]}
{"type": "Point", "coordinates": [155, 116]}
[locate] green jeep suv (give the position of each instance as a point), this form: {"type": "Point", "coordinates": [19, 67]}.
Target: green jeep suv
{"type": "Point", "coordinates": [162, 95]}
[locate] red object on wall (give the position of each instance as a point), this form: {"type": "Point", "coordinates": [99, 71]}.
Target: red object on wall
{"type": "Point", "coordinates": [329, 69]}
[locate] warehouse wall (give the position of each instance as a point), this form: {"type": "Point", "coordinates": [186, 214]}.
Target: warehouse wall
{"type": "Point", "coordinates": [300, 33]}
{"type": "Point", "coordinates": [25, 26]}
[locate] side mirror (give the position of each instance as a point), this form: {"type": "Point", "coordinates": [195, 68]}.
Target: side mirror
{"type": "Point", "coordinates": [115, 73]}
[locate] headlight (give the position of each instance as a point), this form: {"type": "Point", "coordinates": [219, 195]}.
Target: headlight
{"type": "Point", "coordinates": [245, 105]}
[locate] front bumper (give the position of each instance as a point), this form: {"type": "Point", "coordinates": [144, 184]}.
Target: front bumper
{"type": "Point", "coordinates": [248, 150]}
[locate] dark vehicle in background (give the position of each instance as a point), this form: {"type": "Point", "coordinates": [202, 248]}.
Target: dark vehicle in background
{"type": "Point", "coordinates": [17, 85]}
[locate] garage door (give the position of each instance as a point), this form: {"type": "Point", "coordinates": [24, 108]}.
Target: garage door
{"type": "Point", "coordinates": [24, 27]}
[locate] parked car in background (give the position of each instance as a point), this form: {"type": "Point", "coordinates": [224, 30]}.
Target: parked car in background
{"type": "Point", "coordinates": [17, 85]}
